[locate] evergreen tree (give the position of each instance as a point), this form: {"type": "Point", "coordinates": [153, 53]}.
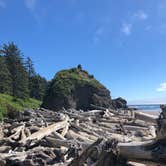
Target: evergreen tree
{"type": "Point", "coordinates": [31, 73]}
{"type": "Point", "coordinates": [38, 87]}
{"type": "Point", "coordinates": [30, 67]}
{"type": "Point", "coordinates": [5, 79]}
{"type": "Point", "coordinates": [19, 75]}
{"type": "Point", "coordinates": [37, 84]}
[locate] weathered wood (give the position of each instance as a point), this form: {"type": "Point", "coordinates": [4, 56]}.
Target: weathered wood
{"type": "Point", "coordinates": [46, 131]}
{"type": "Point", "coordinates": [87, 130]}
{"type": "Point", "coordinates": [135, 128]}
{"type": "Point", "coordinates": [73, 135]}
{"type": "Point", "coordinates": [150, 150]}
{"type": "Point", "coordinates": [57, 135]}
{"type": "Point", "coordinates": [83, 157]}
{"type": "Point", "coordinates": [135, 150]}
{"type": "Point", "coordinates": [65, 130]}
{"type": "Point", "coordinates": [44, 137]}
{"type": "Point", "coordinates": [146, 117]}
{"type": "Point", "coordinates": [5, 149]}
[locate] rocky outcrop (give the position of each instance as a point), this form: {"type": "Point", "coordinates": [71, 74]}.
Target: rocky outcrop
{"type": "Point", "coordinates": [76, 88]}
{"type": "Point", "coordinates": [119, 103]}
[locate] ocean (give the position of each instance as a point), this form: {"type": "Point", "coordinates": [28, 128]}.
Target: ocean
{"type": "Point", "coordinates": [149, 107]}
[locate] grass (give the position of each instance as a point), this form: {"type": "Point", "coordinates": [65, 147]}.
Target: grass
{"type": "Point", "coordinates": [9, 103]}
{"type": "Point", "coordinates": [75, 75]}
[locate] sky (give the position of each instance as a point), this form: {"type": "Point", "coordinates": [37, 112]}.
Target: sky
{"type": "Point", "coordinates": [122, 43]}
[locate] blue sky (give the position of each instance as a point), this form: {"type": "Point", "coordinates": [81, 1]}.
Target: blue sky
{"type": "Point", "coordinates": [123, 43]}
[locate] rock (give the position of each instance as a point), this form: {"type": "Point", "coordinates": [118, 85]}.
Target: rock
{"type": "Point", "coordinates": [76, 88]}
{"type": "Point", "coordinates": [119, 103]}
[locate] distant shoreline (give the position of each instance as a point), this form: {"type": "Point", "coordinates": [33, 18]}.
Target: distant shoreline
{"type": "Point", "coordinates": [153, 109]}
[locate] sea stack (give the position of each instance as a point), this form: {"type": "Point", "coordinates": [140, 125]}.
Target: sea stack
{"type": "Point", "coordinates": [76, 88]}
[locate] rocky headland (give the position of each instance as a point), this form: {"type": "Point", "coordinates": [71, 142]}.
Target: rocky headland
{"type": "Point", "coordinates": [76, 88]}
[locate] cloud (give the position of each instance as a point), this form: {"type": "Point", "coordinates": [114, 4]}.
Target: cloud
{"type": "Point", "coordinates": [133, 20]}
{"type": "Point", "coordinates": [126, 29]}
{"type": "Point", "coordinates": [162, 87]}
{"type": "Point", "coordinates": [30, 4]}
{"type": "Point", "coordinates": [141, 15]}
{"type": "Point", "coordinates": [99, 32]}
{"type": "Point", "coordinates": [2, 4]}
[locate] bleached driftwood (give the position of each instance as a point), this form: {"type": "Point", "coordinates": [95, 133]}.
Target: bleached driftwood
{"type": "Point", "coordinates": [146, 117]}
{"type": "Point", "coordinates": [46, 131]}
{"type": "Point", "coordinates": [136, 150]}
{"type": "Point", "coordinates": [46, 137]}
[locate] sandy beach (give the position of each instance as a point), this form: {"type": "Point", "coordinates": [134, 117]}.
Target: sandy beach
{"type": "Point", "coordinates": [152, 112]}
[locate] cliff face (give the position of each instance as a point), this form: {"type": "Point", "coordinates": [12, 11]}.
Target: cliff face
{"type": "Point", "coordinates": [76, 88]}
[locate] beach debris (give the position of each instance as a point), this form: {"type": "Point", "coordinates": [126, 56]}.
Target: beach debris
{"type": "Point", "coordinates": [99, 137]}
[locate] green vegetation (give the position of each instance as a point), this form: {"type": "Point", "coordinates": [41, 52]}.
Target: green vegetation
{"type": "Point", "coordinates": [67, 87]}
{"type": "Point", "coordinates": [9, 103]}
{"type": "Point", "coordinates": [17, 76]}
{"type": "Point", "coordinates": [73, 77]}
{"type": "Point", "coordinates": [65, 81]}
{"type": "Point", "coordinates": [19, 82]}
{"type": "Point", "coordinates": [37, 84]}
{"type": "Point", "coordinates": [5, 78]}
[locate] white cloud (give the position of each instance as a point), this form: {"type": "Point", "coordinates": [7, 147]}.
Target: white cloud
{"type": "Point", "coordinates": [162, 87]}
{"type": "Point", "coordinates": [98, 34]}
{"type": "Point", "coordinates": [2, 4]}
{"type": "Point", "coordinates": [141, 15]}
{"type": "Point", "coordinates": [132, 20]}
{"type": "Point", "coordinates": [30, 4]}
{"type": "Point", "coordinates": [126, 29]}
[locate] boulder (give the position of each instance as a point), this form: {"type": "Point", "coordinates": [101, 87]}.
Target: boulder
{"type": "Point", "coordinates": [119, 103]}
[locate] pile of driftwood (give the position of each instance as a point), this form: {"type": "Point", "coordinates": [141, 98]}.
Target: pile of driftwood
{"type": "Point", "coordinates": [99, 137]}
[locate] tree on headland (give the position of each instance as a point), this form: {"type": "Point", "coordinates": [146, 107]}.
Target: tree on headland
{"type": "Point", "coordinates": [30, 67]}
{"type": "Point", "coordinates": [31, 73]}
{"type": "Point", "coordinates": [79, 67]}
{"type": "Point", "coordinates": [38, 87]}
{"type": "Point", "coordinates": [5, 79]}
{"type": "Point", "coordinates": [18, 73]}
{"type": "Point", "coordinates": [37, 84]}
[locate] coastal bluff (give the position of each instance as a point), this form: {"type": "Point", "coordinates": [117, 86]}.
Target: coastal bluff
{"type": "Point", "coordinates": [76, 88]}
